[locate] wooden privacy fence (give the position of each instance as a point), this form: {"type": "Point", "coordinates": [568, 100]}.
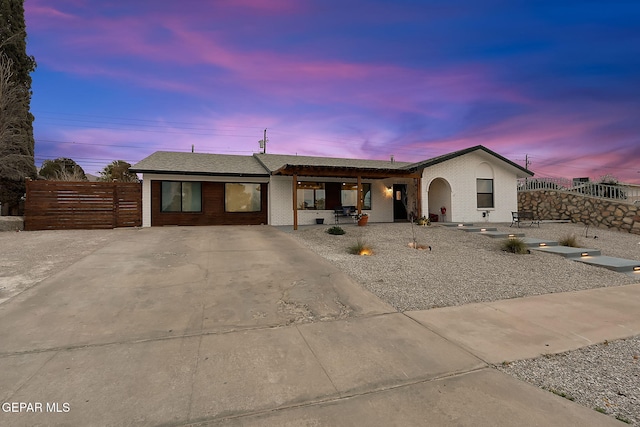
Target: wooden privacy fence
{"type": "Point", "coordinates": [60, 205]}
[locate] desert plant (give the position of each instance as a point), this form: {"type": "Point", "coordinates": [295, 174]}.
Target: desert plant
{"type": "Point", "coordinates": [423, 221]}
{"type": "Point", "coordinates": [360, 248]}
{"type": "Point", "coordinates": [570, 240]}
{"type": "Point", "coordinates": [623, 419]}
{"type": "Point", "coordinates": [514, 245]}
{"type": "Point", "coordinates": [335, 230]}
{"type": "Point", "coordinates": [562, 394]}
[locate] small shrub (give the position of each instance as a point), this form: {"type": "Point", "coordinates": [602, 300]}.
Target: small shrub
{"type": "Point", "coordinates": [335, 230]}
{"type": "Point", "coordinates": [516, 246]}
{"type": "Point", "coordinates": [623, 419]}
{"type": "Point", "coordinates": [601, 410]}
{"type": "Point", "coordinates": [570, 240]}
{"type": "Point", "coordinates": [562, 394]}
{"type": "Point", "coordinates": [360, 248]}
{"type": "Point", "coordinates": [423, 221]}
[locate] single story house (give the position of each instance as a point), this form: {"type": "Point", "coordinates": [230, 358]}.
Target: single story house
{"type": "Point", "coordinates": [474, 184]}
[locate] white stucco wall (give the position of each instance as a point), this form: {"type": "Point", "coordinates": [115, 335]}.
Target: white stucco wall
{"type": "Point", "coordinates": [281, 202]}
{"type": "Point", "coordinates": [461, 173]}
{"type": "Point", "coordinates": [381, 201]}
{"type": "Point", "coordinates": [148, 177]}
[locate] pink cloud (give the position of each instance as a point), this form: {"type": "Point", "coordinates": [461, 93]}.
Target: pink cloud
{"type": "Point", "coordinates": [279, 6]}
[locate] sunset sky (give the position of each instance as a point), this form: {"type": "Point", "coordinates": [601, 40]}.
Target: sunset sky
{"type": "Point", "coordinates": [558, 80]}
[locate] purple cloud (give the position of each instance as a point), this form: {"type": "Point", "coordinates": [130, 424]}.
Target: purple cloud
{"type": "Point", "coordinates": [557, 82]}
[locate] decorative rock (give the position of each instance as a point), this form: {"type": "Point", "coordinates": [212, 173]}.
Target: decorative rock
{"type": "Point", "coordinates": [558, 205]}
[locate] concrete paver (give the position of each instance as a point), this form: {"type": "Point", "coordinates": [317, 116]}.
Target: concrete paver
{"type": "Point", "coordinates": [568, 252]}
{"type": "Point", "coordinates": [478, 229]}
{"type": "Point", "coordinates": [612, 263]}
{"type": "Point", "coordinates": [500, 235]}
{"type": "Point", "coordinates": [533, 242]}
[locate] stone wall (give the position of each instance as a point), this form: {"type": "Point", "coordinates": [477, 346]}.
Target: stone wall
{"type": "Point", "coordinates": [561, 205]}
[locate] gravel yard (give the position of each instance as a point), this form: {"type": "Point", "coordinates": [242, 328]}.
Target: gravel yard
{"type": "Point", "coordinates": [28, 257]}
{"type": "Point", "coordinates": [465, 267]}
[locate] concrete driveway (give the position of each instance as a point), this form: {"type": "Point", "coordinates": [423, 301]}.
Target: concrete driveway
{"type": "Point", "coordinates": [238, 326]}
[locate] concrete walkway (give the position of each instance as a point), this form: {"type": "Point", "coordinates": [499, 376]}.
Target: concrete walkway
{"type": "Point", "coordinates": [243, 326]}
{"type": "Point", "coordinates": [585, 255]}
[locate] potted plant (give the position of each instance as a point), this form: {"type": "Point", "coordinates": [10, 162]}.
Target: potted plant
{"type": "Point", "coordinates": [362, 219]}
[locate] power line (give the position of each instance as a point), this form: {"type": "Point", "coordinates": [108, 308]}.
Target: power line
{"type": "Point", "coordinates": [135, 119]}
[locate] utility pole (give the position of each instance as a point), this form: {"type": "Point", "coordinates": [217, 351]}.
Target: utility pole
{"type": "Point", "coordinates": [263, 142]}
{"type": "Point", "coordinates": [526, 166]}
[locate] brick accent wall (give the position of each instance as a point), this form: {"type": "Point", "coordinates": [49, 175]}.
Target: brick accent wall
{"type": "Point", "coordinates": [559, 205]}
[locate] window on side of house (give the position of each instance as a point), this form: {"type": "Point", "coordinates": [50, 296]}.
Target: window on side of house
{"type": "Point", "coordinates": [485, 193]}
{"type": "Point", "coordinates": [181, 196]}
{"type": "Point", "coordinates": [242, 197]}
{"type": "Point", "coordinates": [349, 195]}
{"type": "Point", "coordinates": [311, 195]}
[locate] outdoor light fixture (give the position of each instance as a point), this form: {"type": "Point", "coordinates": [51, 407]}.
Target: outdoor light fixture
{"type": "Point", "coordinates": [584, 254]}
{"type": "Point", "coordinates": [636, 268]}
{"type": "Point", "coordinates": [460, 225]}
{"type": "Point", "coordinates": [543, 244]}
{"type": "Point", "coordinates": [483, 229]}
{"type": "Point", "coordinates": [511, 236]}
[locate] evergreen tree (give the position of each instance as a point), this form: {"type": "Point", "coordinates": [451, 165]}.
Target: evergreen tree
{"type": "Point", "coordinates": [16, 121]}
{"type": "Point", "coordinates": [62, 169]}
{"type": "Point", "coordinates": [118, 170]}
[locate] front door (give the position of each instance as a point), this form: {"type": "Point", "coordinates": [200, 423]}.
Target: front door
{"type": "Point", "coordinates": [399, 202]}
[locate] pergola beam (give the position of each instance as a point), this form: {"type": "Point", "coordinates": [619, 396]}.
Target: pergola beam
{"type": "Point", "coordinates": [339, 172]}
{"type": "Point", "coordinates": [295, 201]}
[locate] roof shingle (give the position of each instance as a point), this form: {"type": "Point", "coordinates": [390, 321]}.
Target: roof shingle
{"type": "Point", "coordinates": [199, 164]}
{"type": "Point", "coordinates": [273, 162]}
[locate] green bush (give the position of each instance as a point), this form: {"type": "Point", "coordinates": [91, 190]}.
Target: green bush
{"type": "Point", "coordinates": [360, 248]}
{"type": "Point", "coordinates": [569, 240]}
{"type": "Point", "coordinates": [336, 230]}
{"type": "Point", "coordinates": [514, 245]}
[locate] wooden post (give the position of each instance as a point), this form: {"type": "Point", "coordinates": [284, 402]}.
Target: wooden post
{"type": "Point", "coordinates": [295, 201]}
{"type": "Point", "coordinates": [359, 193]}
{"type": "Point", "coordinates": [419, 197]}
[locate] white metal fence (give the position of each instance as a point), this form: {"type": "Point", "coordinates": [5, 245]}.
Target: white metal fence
{"type": "Point", "coordinates": [619, 192]}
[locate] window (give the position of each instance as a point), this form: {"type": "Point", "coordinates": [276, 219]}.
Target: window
{"type": "Point", "coordinates": [240, 197]}
{"type": "Point", "coordinates": [181, 196]}
{"type": "Point", "coordinates": [349, 195]}
{"type": "Point", "coordinates": [311, 195]}
{"type": "Point", "coordinates": [485, 193]}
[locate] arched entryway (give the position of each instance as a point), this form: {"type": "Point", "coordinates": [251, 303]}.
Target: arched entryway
{"type": "Point", "coordinates": [440, 196]}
